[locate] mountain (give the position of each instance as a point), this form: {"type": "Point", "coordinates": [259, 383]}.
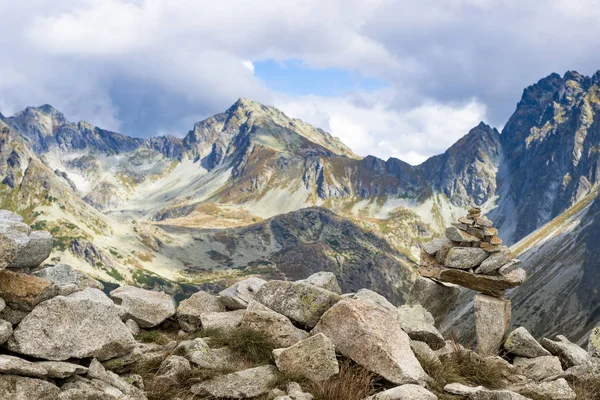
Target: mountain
{"type": "Point", "coordinates": [206, 208]}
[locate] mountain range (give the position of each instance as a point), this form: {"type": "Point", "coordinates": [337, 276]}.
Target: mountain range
{"type": "Point", "coordinates": [251, 191]}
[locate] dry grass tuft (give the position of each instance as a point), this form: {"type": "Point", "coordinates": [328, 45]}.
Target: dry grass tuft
{"type": "Point", "coordinates": [153, 336]}
{"type": "Point", "coordinates": [586, 388]}
{"type": "Point", "coordinates": [245, 343]}
{"type": "Point", "coordinates": [352, 383]}
{"type": "Point", "coordinates": [466, 367]}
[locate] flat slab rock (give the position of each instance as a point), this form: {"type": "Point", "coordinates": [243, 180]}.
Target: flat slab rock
{"type": "Point", "coordinates": [313, 358]}
{"type": "Point", "coordinates": [146, 307]}
{"type": "Point", "coordinates": [244, 384]}
{"type": "Point", "coordinates": [404, 392]}
{"type": "Point", "coordinates": [492, 285]}
{"type": "Point", "coordinates": [22, 388]}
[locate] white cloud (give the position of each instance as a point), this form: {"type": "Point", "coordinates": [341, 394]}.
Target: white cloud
{"type": "Point", "coordinates": [153, 66]}
{"type": "Point", "coordinates": [411, 134]}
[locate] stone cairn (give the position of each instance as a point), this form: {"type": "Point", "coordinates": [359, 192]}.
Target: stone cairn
{"type": "Point", "coordinates": [472, 255]}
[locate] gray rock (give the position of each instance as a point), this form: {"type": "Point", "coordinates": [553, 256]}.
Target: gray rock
{"type": "Point", "coordinates": [85, 394]}
{"type": "Point", "coordinates": [495, 261]}
{"type": "Point", "coordinates": [171, 368]}
{"type": "Point", "coordinates": [99, 297]}
{"type": "Point", "coordinates": [569, 353]}
{"type": "Point", "coordinates": [324, 280]}
{"type": "Point", "coordinates": [146, 307]}
{"type": "Point", "coordinates": [17, 366]}
{"type": "Point", "coordinates": [14, 236]}
{"type": "Point", "coordinates": [23, 292]}
{"type": "Point", "coordinates": [222, 320]}
{"type": "Point", "coordinates": [63, 274]}
{"type": "Point", "coordinates": [361, 331]}
{"type": "Point", "coordinates": [238, 295]}
{"type": "Point", "coordinates": [64, 327]}
{"type": "Point", "coordinates": [133, 327]}
{"type": "Point", "coordinates": [593, 343]}
{"type": "Point", "coordinates": [404, 392]}
{"type": "Point", "coordinates": [465, 257]}
{"type": "Point", "coordinates": [244, 384]}
{"type": "Point", "coordinates": [553, 390]}
{"type": "Point", "coordinates": [6, 331]}
{"type": "Point", "coordinates": [375, 298]}
{"type": "Point", "coordinates": [423, 351]}
{"type": "Point", "coordinates": [435, 245]}
{"type": "Point", "coordinates": [37, 250]}
{"type": "Point", "coordinates": [10, 216]}
{"type": "Point", "coordinates": [189, 310]}
{"type": "Point", "coordinates": [294, 391]}
{"type": "Point", "coordinates": [13, 387]}
{"type": "Point", "coordinates": [98, 372]}
{"type": "Point", "coordinates": [2, 305]}
{"type": "Point", "coordinates": [418, 323]}
{"type": "Point", "coordinates": [481, 393]}
{"type": "Point", "coordinates": [492, 319]}
{"type": "Point", "coordinates": [313, 358]}
{"type": "Point", "coordinates": [538, 368]}
{"type": "Point", "coordinates": [300, 302]}
{"type": "Point", "coordinates": [509, 267]}
{"type": "Point", "coordinates": [456, 235]}
{"type": "Point", "coordinates": [62, 370]}
{"type": "Point", "coordinates": [94, 385]}
{"type": "Point", "coordinates": [437, 298]}
{"type": "Point", "coordinates": [520, 342]}
{"type": "Point", "coordinates": [273, 325]}
{"type": "Point", "coordinates": [462, 390]}
{"type": "Point", "coordinates": [199, 354]}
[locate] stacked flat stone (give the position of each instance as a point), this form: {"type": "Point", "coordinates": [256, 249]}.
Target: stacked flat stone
{"type": "Point", "coordinates": [472, 255]}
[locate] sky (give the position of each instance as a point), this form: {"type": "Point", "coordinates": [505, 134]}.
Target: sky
{"type": "Point", "coordinates": [401, 79]}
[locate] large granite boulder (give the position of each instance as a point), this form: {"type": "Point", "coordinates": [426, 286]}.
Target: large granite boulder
{"type": "Point", "coordinates": [190, 309]}
{"type": "Point", "coordinates": [63, 328]}
{"type": "Point", "coordinates": [404, 392]}
{"type": "Point", "coordinates": [301, 302]}
{"type": "Point", "coordinates": [569, 353]}
{"type": "Point", "coordinates": [375, 298]}
{"type": "Point", "coordinates": [14, 236]}
{"type": "Point", "coordinates": [520, 343]}
{"type": "Point", "coordinates": [278, 328]}
{"type": "Point", "coordinates": [364, 332]}
{"type": "Point", "coordinates": [492, 319]}
{"type": "Point", "coordinates": [64, 274]}
{"type": "Point", "coordinates": [146, 307]}
{"type": "Point", "coordinates": [313, 359]}
{"type": "Point", "coordinates": [244, 384]}
{"type": "Point", "coordinates": [36, 251]}
{"type": "Point", "coordinates": [324, 280]}
{"type": "Point", "coordinates": [419, 324]}
{"type": "Point", "coordinates": [237, 296]}
{"type": "Point", "coordinates": [538, 368]}
{"type": "Point", "coordinates": [13, 387]}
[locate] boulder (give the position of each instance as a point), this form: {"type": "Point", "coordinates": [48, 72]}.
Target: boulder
{"type": "Point", "coordinates": [423, 351]}
{"type": "Point", "coordinates": [62, 370]}
{"type": "Point", "coordinates": [199, 354]}
{"type": "Point", "coordinates": [171, 368]}
{"type": "Point", "coordinates": [569, 353]}
{"type": "Point", "coordinates": [97, 371]}
{"type": "Point", "coordinates": [222, 320]}
{"type": "Point", "coordinates": [300, 302]}
{"type": "Point", "coordinates": [36, 251]}
{"type": "Point", "coordinates": [64, 327]}
{"type": "Point", "coordinates": [457, 235]}
{"type": "Point", "coordinates": [13, 387]}
{"type": "Point", "coordinates": [594, 343]}
{"type": "Point", "coordinates": [14, 236]}
{"type": "Point", "coordinates": [553, 390]}
{"type": "Point", "coordinates": [492, 319]}
{"type": "Point", "coordinates": [133, 327]}
{"type": "Point", "coordinates": [492, 285]}
{"type": "Point", "coordinates": [361, 331]}
{"type": "Point", "coordinates": [313, 358]}
{"type": "Point", "coordinates": [23, 292]}
{"type": "Point", "coordinates": [6, 331]}
{"type": "Point", "coordinates": [273, 325]}
{"type": "Point", "coordinates": [418, 323]}
{"type": "Point", "coordinates": [244, 384]}
{"type": "Point", "coordinates": [538, 368]}
{"type": "Point", "coordinates": [190, 309]}
{"type": "Point", "coordinates": [324, 280]}
{"type": "Point", "coordinates": [404, 392]}
{"type": "Point", "coordinates": [481, 393]}
{"type": "Point", "coordinates": [465, 257]}
{"type": "Point", "coordinates": [520, 343]}
{"type": "Point", "coordinates": [375, 298]}
{"type": "Point", "coordinates": [64, 274]}
{"type": "Point", "coordinates": [99, 297]}
{"type": "Point", "coordinates": [17, 366]}
{"type": "Point", "coordinates": [146, 307]}
{"type": "Point", "coordinates": [437, 298]}
{"type": "Point", "coordinates": [238, 295]}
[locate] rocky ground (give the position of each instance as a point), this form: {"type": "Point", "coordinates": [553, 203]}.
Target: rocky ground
{"type": "Point", "coordinates": [64, 336]}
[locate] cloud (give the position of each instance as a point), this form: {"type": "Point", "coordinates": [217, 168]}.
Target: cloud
{"type": "Point", "coordinates": [155, 66]}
